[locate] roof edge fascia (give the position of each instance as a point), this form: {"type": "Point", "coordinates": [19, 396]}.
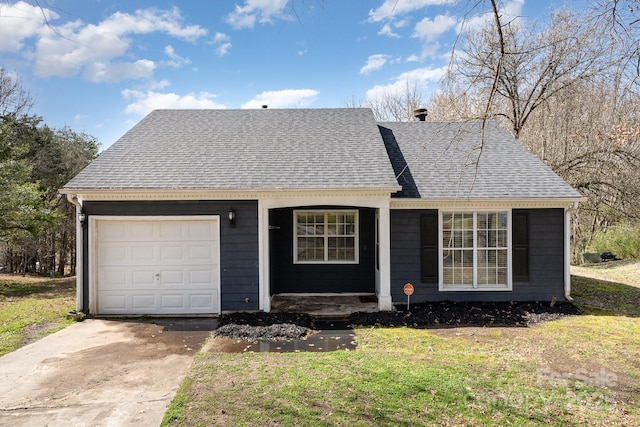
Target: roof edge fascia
{"type": "Point", "coordinates": [486, 203]}
{"type": "Point", "coordinates": [112, 194]}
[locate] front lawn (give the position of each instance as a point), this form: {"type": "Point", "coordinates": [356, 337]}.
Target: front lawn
{"type": "Point", "coordinates": [579, 370]}
{"type": "Point", "coordinates": [31, 307]}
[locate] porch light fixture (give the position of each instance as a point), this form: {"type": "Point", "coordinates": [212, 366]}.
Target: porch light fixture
{"type": "Point", "coordinates": [82, 217]}
{"type": "Point", "coordinates": [232, 217]}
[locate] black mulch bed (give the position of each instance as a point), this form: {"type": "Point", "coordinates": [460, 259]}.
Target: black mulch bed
{"type": "Point", "coordinates": [446, 313]}
{"type": "Point", "coordinates": [287, 326]}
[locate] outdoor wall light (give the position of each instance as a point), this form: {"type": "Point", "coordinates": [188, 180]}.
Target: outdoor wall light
{"type": "Point", "coordinates": [82, 217]}
{"type": "Point", "coordinates": [232, 217]}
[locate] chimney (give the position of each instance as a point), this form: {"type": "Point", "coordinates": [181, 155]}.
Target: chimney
{"type": "Point", "coordinates": [420, 114]}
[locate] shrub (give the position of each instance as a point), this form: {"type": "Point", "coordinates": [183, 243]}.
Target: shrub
{"type": "Point", "coordinates": [623, 240]}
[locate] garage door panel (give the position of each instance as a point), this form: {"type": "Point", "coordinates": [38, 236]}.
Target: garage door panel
{"type": "Point", "coordinates": [171, 230]}
{"type": "Point", "coordinates": [201, 231]}
{"type": "Point", "coordinates": [113, 302]}
{"type": "Point", "coordinates": [173, 278]}
{"type": "Point", "coordinates": [113, 231]}
{"type": "Point", "coordinates": [114, 278]}
{"type": "Point", "coordinates": [173, 253]}
{"type": "Point", "coordinates": [140, 230]}
{"type": "Point", "coordinates": [152, 303]}
{"type": "Point", "coordinates": [141, 253]}
{"type": "Point", "coordinates": [203, 253]}
{"type": "Point", "coordinates": [127, 253]}
{"type": "Point", "coordinates": [157, 266]}
{"type": "Point", "coordinates": [112, 254]}
{"type": "Point", "coordinates": [173, 302]}
{"type": "Point", "coordinates": [142, 279]}
{"type": "Point", "coordinates": [143, 302]}
{"type": "Point", "coordinates": [110, 278]}
{"type": "Point", "coordinates": [202, 277]}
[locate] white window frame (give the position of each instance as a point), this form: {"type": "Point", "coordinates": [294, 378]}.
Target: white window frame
{"type": "Point", "coordinates": [441, 249]}
{"type": "Point", "coordinates": [326, 213]}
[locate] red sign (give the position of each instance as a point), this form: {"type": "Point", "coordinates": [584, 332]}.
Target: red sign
{"type": "Point", "coordinates": [408, 289]}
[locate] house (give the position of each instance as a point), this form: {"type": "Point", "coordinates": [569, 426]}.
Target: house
{"type": "Point", "coordinates": [203, 211]}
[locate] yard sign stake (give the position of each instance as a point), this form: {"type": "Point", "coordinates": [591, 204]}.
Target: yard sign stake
{"type": "Point", "coordinates": [408, 291]}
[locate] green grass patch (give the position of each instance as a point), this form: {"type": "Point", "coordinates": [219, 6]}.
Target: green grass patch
{"type": "Point", "coordinates": [579, 370]}
{"type": "Point", "coordinates": [408, 377]}
{"type": "Point", "coordinates": [605, 297]}
{"type": "Point", "coordinates": [31, 307]}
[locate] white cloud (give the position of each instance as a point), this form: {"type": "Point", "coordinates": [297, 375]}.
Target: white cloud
{"type": "Point", "coordinates": [430, 29]}
{"type": "Point", "coordinates": [392, 8]}
{"type": "Point", "coordinates": [155, 85]}
{"type": "Point", "coordinates": [145, 21]}
{"type": "Point", "coordinates": [176, 61]}
{"type": "Point", "coordinates": [21, 21]}
{"type": "Point", "coordinates": [74, 47]}
{"type": "Point", "coordinates": [283, 98]}
{"type": "Point", "coordinates": [145, 102]}
{"type": "Point", "coordinates": [223, 49]}
{"type": "Point", "coordinates": [113, 71]}
{"type": "Point", "coordinates": [221, 38]}
{"type": "Point", "coordinates": [222, 42]}
{"type": "Point", "coordinates": [419, 77]}
{"type": "Point", "coordinates": [387, 31]}
{"type": "Point", "coordinates": [262, 11]}
{"type": "Point", "coordinates": [374, 63]}
{"type": "Point", "coordinates": [508, 12]}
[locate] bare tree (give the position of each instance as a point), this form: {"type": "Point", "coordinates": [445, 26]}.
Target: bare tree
{"type": "Point", "coordinates": [397, 105]}
{"type": "Point", "coordinates": [513, 69]}
{"type": "Point", "coordinates": [15, 101]}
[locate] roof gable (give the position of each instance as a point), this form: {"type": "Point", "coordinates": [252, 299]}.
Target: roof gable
{"type": "Point", "coordinates": [461, 160]}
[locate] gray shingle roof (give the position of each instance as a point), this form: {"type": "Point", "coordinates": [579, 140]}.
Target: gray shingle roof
{"type": "Point", "coordinates": [306, 149]}
{"type": "Point", "coordinates": [244, 150]}
{"type": "Point", "coordinates": [442, 160]}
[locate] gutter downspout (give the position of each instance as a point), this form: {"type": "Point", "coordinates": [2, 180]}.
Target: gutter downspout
{"type": "Point", "coordinates": [79, 252]}
{"type": "Point", "coordinates": [567, 250]}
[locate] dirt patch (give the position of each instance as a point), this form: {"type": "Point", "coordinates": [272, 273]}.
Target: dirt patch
{"type": "Point", "coordinates": [253, 327]}
{"type": "Point", "coordinates": [277, 331]}
{"type": "Point", "coordinates": [32, 333]}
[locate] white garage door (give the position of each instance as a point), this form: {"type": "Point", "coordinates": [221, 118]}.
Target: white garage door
{"type": "Point", "coordinates": [157, 265]}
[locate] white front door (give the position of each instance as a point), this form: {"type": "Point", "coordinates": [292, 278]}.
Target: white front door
{"type": "Point", "coordinates": [155, 265]}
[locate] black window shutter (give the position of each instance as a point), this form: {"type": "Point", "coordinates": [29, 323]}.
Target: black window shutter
{"type": "Point", "coordinates": [520, 246]}
{"type": "Point", "coordinates": [429, 247]}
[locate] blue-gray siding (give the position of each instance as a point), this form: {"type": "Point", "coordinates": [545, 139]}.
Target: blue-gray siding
{"type": "Point", "coordinates": [546, 261]}
{"type": "Point", "coordinates": [239, 276]}
{"type": "Point", "coordinates": [287, 277]}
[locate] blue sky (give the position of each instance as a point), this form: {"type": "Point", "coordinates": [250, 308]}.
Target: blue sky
{"type": "Point", "coordinates": [99, 66]}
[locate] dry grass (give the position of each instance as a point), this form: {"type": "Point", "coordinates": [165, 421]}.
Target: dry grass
{"type": "Point", "coordinates": [626, 272]}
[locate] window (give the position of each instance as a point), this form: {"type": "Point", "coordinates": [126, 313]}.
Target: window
{"type": "Point", "coordinates": [475, 251]}
{"type": "Point", "coordinates": [326, 237]}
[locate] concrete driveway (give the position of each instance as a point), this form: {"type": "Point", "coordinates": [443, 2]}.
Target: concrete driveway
{"type": "Point", "coordinates": [100, 373]}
